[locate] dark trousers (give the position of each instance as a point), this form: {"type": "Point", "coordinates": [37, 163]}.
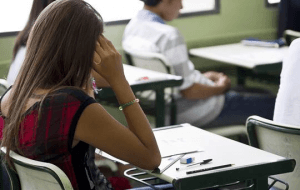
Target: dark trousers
{"type": "Point", "coordinates": [241, 103]}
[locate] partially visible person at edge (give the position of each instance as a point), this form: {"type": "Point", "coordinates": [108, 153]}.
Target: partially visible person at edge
{"type": "Point", "coordinates": [19, 49]}
{"type": "Point", "coordinates": [205, 99]}
{"type": "Point", "coordinates": [50, 113]}
{"type": "Point", "coordinates": [287, 106]}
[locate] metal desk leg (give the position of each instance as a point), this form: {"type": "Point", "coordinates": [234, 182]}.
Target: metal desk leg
{"type": "Point", "coordinates": [261, 183]}
{"type": "Point", "coordinates": [241, 76]}
{"type": "Point", "coordinates": [160, 108]}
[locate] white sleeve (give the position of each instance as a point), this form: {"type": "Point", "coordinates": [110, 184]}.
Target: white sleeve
{"type": "Point", "coordinates": [16, 65]}
{"type": "Point", "coordinates": [287, 106]}
{"type": "Point", "coordinates": [175, 50]}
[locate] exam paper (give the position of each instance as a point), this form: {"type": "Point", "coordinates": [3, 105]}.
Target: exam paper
{"type": "Point", "coordinates": [174, 142]}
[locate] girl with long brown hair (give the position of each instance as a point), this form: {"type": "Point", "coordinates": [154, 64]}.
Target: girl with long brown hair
{"type": "Point", "coordinates": [50, 113]}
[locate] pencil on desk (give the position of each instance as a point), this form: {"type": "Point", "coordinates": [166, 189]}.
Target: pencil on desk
{"type": "Point", "coordinates": [208, 169]}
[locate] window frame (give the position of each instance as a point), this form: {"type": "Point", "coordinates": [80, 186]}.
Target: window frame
{"type": "Point", "coordinates": [216, 10]}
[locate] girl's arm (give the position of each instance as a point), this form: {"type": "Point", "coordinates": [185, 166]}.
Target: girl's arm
{"type": "Point", "coordinates": [136, 143]}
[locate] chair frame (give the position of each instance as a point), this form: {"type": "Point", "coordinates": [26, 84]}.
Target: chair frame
{"type": "Point", "coordinates": [142, 55]}
{"type": "Point", "coordinates": [168, 68]}
{"type": "Point", "coordinates": [13, 177]}
{"type": "Point", "coordinates": [51, 169]}
{"type": "Point", "coordinates": [289, 129]}
{"type": "Point", "coordinates": [4, 83]}
{"type": "Point", "coordinates": [290, 35]}
{"type": "Point", "coordinates": [254, 121]}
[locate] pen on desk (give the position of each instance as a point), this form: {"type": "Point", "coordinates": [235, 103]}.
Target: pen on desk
{"type": "Point", "coordinates": [170, 164]}
{"type": "Point", "coordinates": [200, 163]}
{"type": "Point", "coordinates": [208, 169]}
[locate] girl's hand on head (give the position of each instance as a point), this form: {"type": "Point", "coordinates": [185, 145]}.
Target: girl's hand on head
{"type": "Point", "coordinates": [108, 61]}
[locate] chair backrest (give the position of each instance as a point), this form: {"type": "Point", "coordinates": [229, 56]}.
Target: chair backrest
{"type": "Point", "coordinates": [152, 61]}
{"type": "Point", "coordinates": [36, 175]}
{"type": "Point", "coordinates": [9, 179]}
{"type": "Point", "coordinates": [288, 17]}
{"type": "Point", "coordinates": [3, 86]}
{"type": "Point", "coordinates": [147, 60]}
{"type": "Point", "coordinates": [280, 139]}
{"type": "Point", "coordinates": [290, 35]}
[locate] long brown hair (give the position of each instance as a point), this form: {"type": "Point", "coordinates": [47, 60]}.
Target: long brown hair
{"type": "Point", "coordinates": [36, 9]}
{"type": "Point", "coordinates": [59, 53]}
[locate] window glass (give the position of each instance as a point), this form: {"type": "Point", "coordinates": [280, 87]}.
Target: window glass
{"type": "Point", "coordinates": [15, 13]}
{"type": "Point", "coordinates": [273, 1]}
{"type": "Point", "coordinates": [190, 6]}
{"type": "Point", "coordinates": [126, 9]}
{"type": "Point", "coordinates": [115, 10]}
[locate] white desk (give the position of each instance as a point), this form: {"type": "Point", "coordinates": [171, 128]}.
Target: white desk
{"type": "Point", "coordinates": [242, 56]}
{"type": "Point", "coordinates": [249, 162]}
{"type": "Point", "coordinates": [134, 75]}
{"type": "Point", "coordinates": [155, 81]}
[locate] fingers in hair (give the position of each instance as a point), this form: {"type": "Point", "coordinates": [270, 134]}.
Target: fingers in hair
{"type": "Point", "coordinates": [97, 58]}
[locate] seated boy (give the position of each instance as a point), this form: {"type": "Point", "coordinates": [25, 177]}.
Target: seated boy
{"type": "Point", "coordinates": [204, 98]}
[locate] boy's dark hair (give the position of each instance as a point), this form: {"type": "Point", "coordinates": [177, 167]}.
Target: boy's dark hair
{"type": "Point", "coordinates": [151, 2]}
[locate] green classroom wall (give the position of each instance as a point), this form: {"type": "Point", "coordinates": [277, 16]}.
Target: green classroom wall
{"type": "Point", "coordinates": [237, 19]}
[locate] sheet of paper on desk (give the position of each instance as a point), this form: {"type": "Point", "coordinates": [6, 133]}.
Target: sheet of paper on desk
{"type": "Point", "coordinates": [135, 78]}
{"type": "Point", "coordinates": [172, 142]}
{"type": "Point", "coordinates": [134, 74]}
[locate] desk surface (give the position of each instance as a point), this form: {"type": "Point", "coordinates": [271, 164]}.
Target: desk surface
{"type": "Point", "coordinates": [143, 79]}
{"type": "Point", "coordinates": [249, 162]}
{"type": "Point", "coordinates": [241, 55]}
{"type": "Point", "coordinates": [134, 74]}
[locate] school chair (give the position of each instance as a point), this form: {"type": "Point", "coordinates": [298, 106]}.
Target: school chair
{"type": "Point", "coordinates": [290, 35]}
{"type": "Point", "coordinates": [280, 139]}
{"type": "Point", "coordinates": [9, 180]}
{"type": "Point", "coordinates": [158, 62]}
{"type": "Point", "coordinates": [3, 86]}
{"type": "Point", "coordinates": [36, 175]}
{"type": "Point", "coordinates": [288, 16]}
